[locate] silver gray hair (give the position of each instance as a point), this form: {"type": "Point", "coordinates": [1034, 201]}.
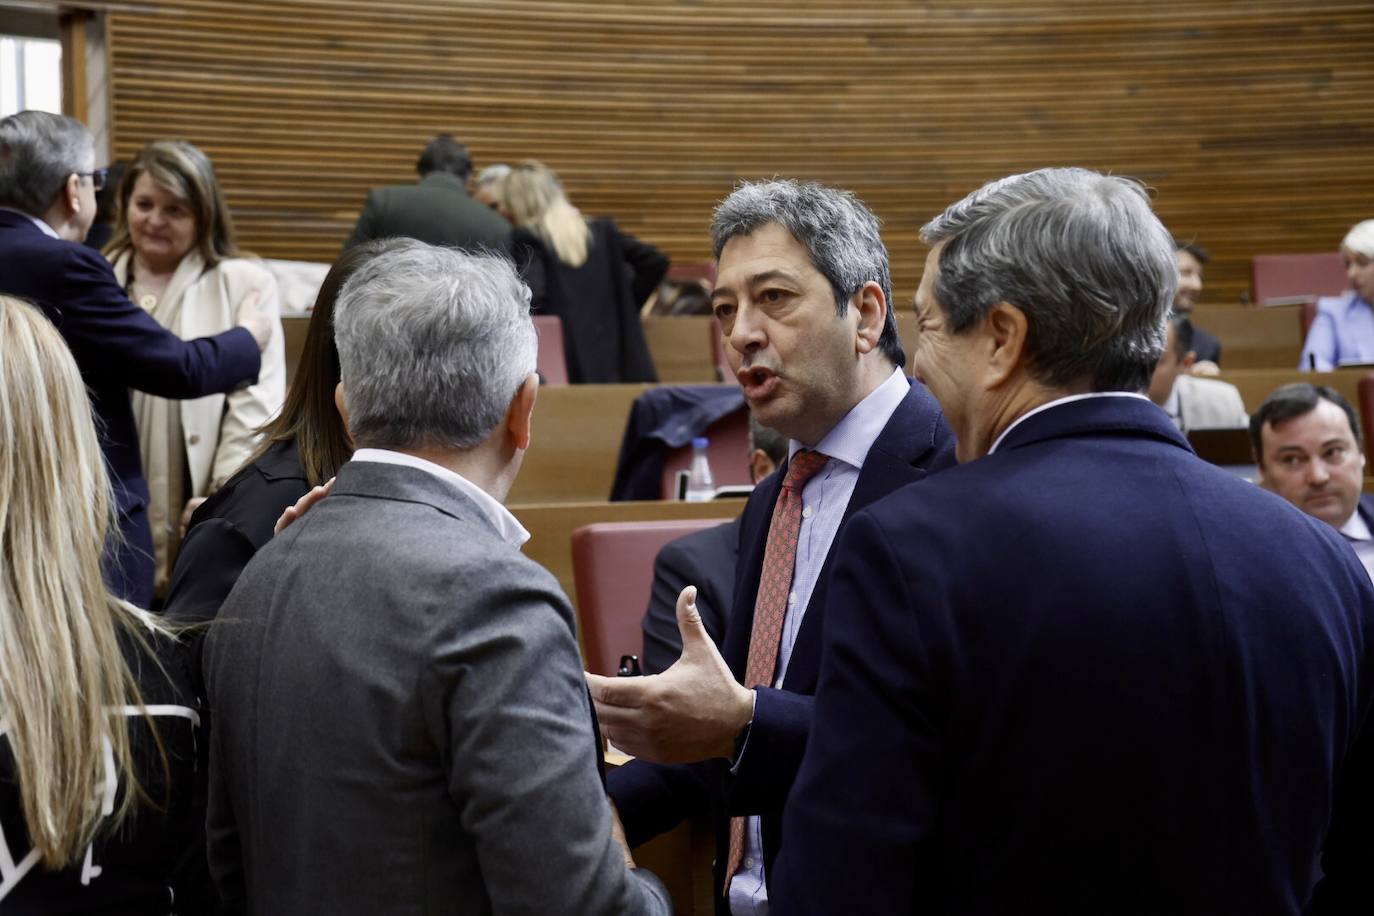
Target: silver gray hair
{"type": "Point", "coordinates": [38, 152]}
{"type": "Point", "coordinates": [1081, 254]}
{"type": "Point", "coordinates": [433, 344]}
{"type": "Point", "coordinates": [840, 233]}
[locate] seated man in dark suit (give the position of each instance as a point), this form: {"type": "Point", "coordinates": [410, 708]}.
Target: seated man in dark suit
{"type": "Point", "coordinates": [1191, 258]}
{"type": "Point", "coordinates": [705, 559]}
{"type": "Point", "coordinates": [400, 722]}
{"type": "Point", "coordinates": [48, 182]}
{"type": "Point", "coordinates": [438, 209]}
{"type": "Point", "coordinates": [1306, 441]}
{"type": "Point", "coordinates": [1084, 672]}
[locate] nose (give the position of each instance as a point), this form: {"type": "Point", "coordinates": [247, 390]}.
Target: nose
{"type": "Point", "coordinates": [746, 331]}
{"type": "Point", "coordinates": [1317, 473]}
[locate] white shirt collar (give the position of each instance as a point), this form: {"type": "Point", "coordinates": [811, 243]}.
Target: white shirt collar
{"type": "Point", "coordinates": [1355, 527]}
{"type": "Point", "coordinates": [1055, 403]}
{"type": "Point", "coordinates": [854, 435]}
{"type": "Point", "coordinates": [47, 230]}
{"type": "Point", "coordinates": [511, 531]}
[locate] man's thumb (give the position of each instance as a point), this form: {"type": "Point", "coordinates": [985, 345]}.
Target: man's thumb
{"type": "Point", "coordinates": [689, 623]}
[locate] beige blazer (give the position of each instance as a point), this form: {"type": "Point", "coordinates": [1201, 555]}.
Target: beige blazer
{"type": "Point", "coordinates": [218, 429]}
{"type": "Point", "coordinates": [1206, 403]}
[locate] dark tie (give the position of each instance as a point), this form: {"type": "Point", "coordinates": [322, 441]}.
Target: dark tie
{"type": "Point", "coordinates": [770, 607]}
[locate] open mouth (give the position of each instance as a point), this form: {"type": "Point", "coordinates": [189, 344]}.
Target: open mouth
{"type": "Point", "coordinates": [757, 382]}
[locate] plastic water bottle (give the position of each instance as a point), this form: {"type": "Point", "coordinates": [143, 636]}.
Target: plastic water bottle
{"type": "Point", "coordinates": [701, 486]}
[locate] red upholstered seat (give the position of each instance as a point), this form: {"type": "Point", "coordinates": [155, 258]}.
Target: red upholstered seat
{"type": "Point", "coordinates": [728, 453]}
{"type": "Point", "coordinates": [1295, 277]}
{"type": "Point", "coordinates": [552, 361]}
{"type": "Point", "coordinates": [613, 572]}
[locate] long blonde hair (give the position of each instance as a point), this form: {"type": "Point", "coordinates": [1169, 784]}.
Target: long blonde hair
{"type": "Point", "coordinates": [61, 668]}
{"type": "Point", "coordinates": [535, 200]}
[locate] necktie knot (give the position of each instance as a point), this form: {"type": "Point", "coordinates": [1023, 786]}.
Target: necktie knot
{"type": "Point", "coordinates": [803, 466]}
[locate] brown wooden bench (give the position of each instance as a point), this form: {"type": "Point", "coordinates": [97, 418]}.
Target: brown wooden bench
{"type": "Point", "coordinates": [551, 526]}
{"type": "Point", "coordinates": [1253, 338]}
{"type": "Point", "coordinates": [576, 440]}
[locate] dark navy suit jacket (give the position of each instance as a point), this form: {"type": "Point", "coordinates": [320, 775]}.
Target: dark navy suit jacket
{"type": "Point", "coordinates": [1086, 674]}
{"type": "Point", "coordinates": [118, 346]}
{"type": "Point", "coordinates": [652, 798]}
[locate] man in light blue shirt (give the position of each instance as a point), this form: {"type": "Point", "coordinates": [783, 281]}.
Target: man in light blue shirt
{"type": "Point", "coordinates": [803, 294]}
{"type": "Point", "coordinates": [1343, 332]}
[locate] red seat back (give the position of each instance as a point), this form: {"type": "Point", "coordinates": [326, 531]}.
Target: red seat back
{"type": "Point", "coordinates": [1275, 278]}
{"type": "Point", "coordinates": [728, 453]}
{"type": "Point", "coordinates": [551, 362]}
{"type": "Point", "coordinates": [613, 573]}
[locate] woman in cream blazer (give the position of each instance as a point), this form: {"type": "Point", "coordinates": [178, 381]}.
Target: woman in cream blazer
{"type": "Point", "coordinates": [173, 251]}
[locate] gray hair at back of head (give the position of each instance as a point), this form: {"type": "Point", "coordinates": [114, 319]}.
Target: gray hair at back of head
{"type": "Point", "coordinates": [433, 344]}
{"type": "Point", "coordinates": [38, 151]}
{"type": "Point", "coordinates": [840, 233]}
{"type": "Point", "coordinates": [1360, 238]}
{"type": "Point", "coordinates": [1081, 254]}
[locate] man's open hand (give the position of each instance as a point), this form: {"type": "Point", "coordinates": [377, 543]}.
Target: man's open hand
{"type": "Point", "coordinates": [692, 711]}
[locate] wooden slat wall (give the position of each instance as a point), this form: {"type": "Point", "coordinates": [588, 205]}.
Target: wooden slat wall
{"type": "Point", "coordinates": [1252, 120]}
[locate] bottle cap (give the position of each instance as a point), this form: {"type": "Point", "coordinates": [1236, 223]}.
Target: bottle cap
{"type": "Point", "coordinates": [700, 442]}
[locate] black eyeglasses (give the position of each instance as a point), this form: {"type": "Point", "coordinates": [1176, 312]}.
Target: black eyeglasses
{"type": "Point", "coordinates": [97, 177]}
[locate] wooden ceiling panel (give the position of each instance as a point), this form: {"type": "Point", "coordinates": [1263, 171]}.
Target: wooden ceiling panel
{"type": "Point", "coordinates": [1250, 121]}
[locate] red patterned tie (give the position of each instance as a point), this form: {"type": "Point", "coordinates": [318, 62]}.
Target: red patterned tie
{"type": "Point", "coordinates": [770, 607]}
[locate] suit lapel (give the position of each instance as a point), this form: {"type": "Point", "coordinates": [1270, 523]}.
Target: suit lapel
{"type": "Point", "coordinates": [914, 442]}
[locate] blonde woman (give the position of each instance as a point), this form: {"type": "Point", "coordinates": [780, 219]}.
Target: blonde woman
{"type": "Point", "coordinates": [96, 719]}
{"type": "Point", "coordinates": [173, 251]}
{"type": "Point", "coordinates": [587, 272]}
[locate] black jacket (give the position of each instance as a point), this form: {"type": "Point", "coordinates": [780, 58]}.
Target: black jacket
{"type": "Point", "coordinates": [597, 302]}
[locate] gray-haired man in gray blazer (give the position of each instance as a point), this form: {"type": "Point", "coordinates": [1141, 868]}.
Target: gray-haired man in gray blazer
{"type": "Point", "coordinates": [400, 723]}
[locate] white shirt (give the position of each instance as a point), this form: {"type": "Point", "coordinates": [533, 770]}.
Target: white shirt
{"type": "Point", "coordinates": [1056, 402]}
{"type": "Point", "coordinates": [510, 530]}
{"type": "Point", "coordinates": [47, 230]}
{"type": "Point", "coordinates": [1360, 537]}
{"type": "Point", "coordinates": [824, 500]}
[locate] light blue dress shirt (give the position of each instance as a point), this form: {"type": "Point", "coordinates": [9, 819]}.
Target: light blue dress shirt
{"type": "Point", "coordinates": [824, 499]}
{"type": "Point", "coordinates": [1343, 332]}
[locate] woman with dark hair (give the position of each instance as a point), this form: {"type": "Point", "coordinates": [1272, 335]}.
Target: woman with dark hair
{"type": "Point", "coordinates": [587, 272]}
{"type": "Point", "coordinates": [303, 447]}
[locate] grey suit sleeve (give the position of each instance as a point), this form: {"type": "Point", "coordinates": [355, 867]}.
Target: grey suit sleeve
{"type": "Point", "coordinates": [508, 700]}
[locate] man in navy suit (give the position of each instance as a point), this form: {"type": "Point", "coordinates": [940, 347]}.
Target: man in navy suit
{"type": "Point", "coordinates": [48, 182]}
{"type": "Point", "coordinates": [1306, 440]}
{"type": "Point", "coordinates": [1084, 672]}
{"type": "Point", "coordinates": [804, 296]}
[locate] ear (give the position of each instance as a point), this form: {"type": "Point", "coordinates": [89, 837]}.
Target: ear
{"type": "Point", "coordinates": [342, 407]}
{"type": "Point", "coordinates": [871, 306]}
{"type": "Point", "coordinates": [71, 194]}
{"type": "Point", "coordinates": [1007, 332]}
{"type": "Point", "coordinates": [760, 465]}
{"type": "Point", "coordinates": [520, 413]}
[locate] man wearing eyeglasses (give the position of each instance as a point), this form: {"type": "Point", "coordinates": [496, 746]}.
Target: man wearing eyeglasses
{"type": "Point", "coordinates": [47, 203]}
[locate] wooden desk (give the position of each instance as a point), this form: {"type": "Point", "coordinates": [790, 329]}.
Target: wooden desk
{"type": "Point", "coordinates": [1254, 338]}
{"type": "Point", "coordinates": [551, 526]}
{"type": "Point", "coordinates": [575, 443]}
{"type": "Point", "coordinates": [681, 348]}
{"type": "Point", "coordinates": [1257, 384]}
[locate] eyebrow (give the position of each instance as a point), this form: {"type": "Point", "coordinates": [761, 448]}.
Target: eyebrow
{"type": "Point", "coordinates": [758, 278]}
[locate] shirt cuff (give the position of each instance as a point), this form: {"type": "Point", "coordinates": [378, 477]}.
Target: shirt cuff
{"type": "Point", "coordinates": [742, 741]}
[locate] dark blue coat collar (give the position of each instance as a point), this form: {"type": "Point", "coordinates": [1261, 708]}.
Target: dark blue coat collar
{"type": "Point", "coordinates": [1131, 416]}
